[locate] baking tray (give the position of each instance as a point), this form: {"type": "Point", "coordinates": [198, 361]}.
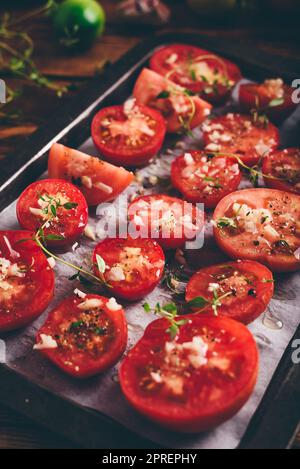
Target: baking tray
{"type": "Point", "coordinates": [275, 420]}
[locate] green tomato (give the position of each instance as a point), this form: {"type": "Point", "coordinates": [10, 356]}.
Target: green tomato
{"type": "Point", "coordinates": [211, 8]}
{"type": "Point", "coordinates": [78, 22]}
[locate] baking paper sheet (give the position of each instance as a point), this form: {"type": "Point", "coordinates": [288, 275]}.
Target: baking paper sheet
{"type": "Point", "coordinates": [103, 393]}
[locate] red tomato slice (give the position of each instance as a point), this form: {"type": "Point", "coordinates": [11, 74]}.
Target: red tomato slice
{"type": "Point", "coordinates": [248, 284]}
{"type": "Point", "coordinates": [272, 96]}
{"type": "Point", "coordinates": [198, 70]}
{"type": "Point", "coordinates": [181, 110]}
{"type": "Point", "coordinates": [260, 225]}
{"type": "Point", "coordinates": [205, 178]}
{"type": "Point", "coordinates": [198, 381]}
{"type": "Point", "coordinates": [238, 134]}
{"type": "Point", "coordinates": [284, 165]}
{"type": "Point", "coordinates": [170, 221]}
{"type": "Point", "coordinates": [26, 280]}
{"type": "Point", "coordinates": [134, 267]}
{"type": "Point", "coordinates": [84, 337]}
{"type": "Point", "coordinates": [99, 181]}
{"type": "Point", "coordinates": [34, 209]}
{"type": "Point", "coordinates": [129, 135]}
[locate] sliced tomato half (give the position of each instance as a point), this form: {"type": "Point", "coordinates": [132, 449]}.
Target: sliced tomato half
{"type": "Point", "coordinates": [282, 170]}
{"type": "Point", "coordinates": [198, 70]}
{"type": "Point", "coordinates": [182, 110]}
{"type": "Point", "coordinates": [195, 382]}
{"type": "Point", "coordinates": [205, 178]}
{"type": "Point", "coordinates": [134, 267]}
{"type": "Point", "coordinates": [129, 135]}
{"type": "Point", "coordinates": [260, 225]}
{"type": "Point", "coordinates": [239, 134]}
{"type": "Point", "coordinates": [98, 180]}
{"type": "Point", "coordinates": [84, 336]}
{"type": "Point", "coordinates": [246, 289]}
{"type": "Point", "coordinates": [26, 280]}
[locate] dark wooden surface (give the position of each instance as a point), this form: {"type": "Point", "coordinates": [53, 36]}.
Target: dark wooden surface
{"type": "Point", "coordinates": [37, 106]}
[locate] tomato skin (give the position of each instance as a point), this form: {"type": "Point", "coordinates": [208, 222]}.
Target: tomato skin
{"type": "Point", "coordinates": [290, 156]}
{"type": "Point", "coordinates": [41, 281]}
{"type": "Point", "coordinates": [121, 153]}
{"type": "Point", "coordinates": [250, 93]}
{"type": "Point", "coordinates": [71, 165]}
{"type": "Point", "coordinates": [186, 54]}
{"type": "Point", "coordinates": [245, 309]}
{"type": "Point", "coordinates": [243, 139]}
{"type": "Point", "coordinates": [193, 192]}
{"type": "Point", "coordinates": [71, 223]}
{"type": "Point", "coordinates": [172, 242]}
{"type": "Point", "coordinates": [240, 246]}
{"type": "Point", "coordinates": [199, 414]}
{"type": "Point", "coordinates": [150, 85]}
{"type": "Point", "coordinates": [79, 364]}
{"type": "Point", "coordinates": [141, 285]}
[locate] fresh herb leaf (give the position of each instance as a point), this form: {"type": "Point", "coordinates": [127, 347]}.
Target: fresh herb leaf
{"type": "Point", "coordinates": [163, 95]}
{"type": "Point", "coordinates": [276, 102]}
{"type": "Point", "coordinates": [198, 302]}
{"type": "Point", "coordinates": [70, 205]}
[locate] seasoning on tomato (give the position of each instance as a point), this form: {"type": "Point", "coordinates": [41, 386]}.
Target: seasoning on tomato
{"type": "Point", "coordinates": [197, 381]}
{"type": "Point", "coordinates": [272, 97]}
{"type": "Point", "coordinates": [205, 178]}
{"type": "Point", "coordinates": [84, 335]}
{"type": "Point", "coordinates": [250, 140]}
{"type": "Point", "coordinates": [168, 220]}
{"type": "Point", "coordinates": [282, 170]}
{"type": "Point", "coordinates": [182, 110]}
{"type": "Point", "coordinates": [197, 70]}
{"type": "Point", "coordinates": [134, 267]}
{"type": "Point", "coordinates": [98, 180]}
{"type": "Point", "coordinates": [129, 135]}
{"type": "Point", "coordinates": [244, 289]}
{"type": "Point", "coordinates": [260, 225]}
{"type": "Point", "coordinates": [56, 206]}
{"type": "Point", "coordinates": [26, 280]}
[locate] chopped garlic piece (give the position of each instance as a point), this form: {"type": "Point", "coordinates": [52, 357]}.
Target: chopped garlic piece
{"type": "Point", "coordinates": [91, 303]}
{"type": "Point", "coordinates": [87, 181]}
{"type": "Point", "coordinates": [113, 305]}
{"type": "Point", "coordinates": [90, 233]}
{"type": "Point", "coordinates": [47, 342]}
{"type": "Point", "coordinates": [104, 187]}
{"type": "Point", "coordinates": [79, 293]}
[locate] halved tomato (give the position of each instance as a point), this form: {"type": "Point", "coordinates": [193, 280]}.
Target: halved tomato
{"type": "Point", "coordinates": [170, 221]}
{"type": "Point", "coordinates": [26, 280]}
{"type": "Point", "coordinates": [260, 225]}
{"type": "Point", "coordinates": [134, 267]}
{"type": "Point", "coordinates": [195, 382]}
{"type": "Point", "coordinates": [182, 110]}
{"type": "Point", "coordinates": [198, 70]}
{"type": "Point", "coordinates": [205, 178]}
{"type": "Point", "coordinates": [245, 289]}
{"type": "Point", "coordinates": [57, 206]}
{"type": "Point", "coordinates": [272, 97]}
{"type": "Point", "coordinates": [84, 336]}
{"type": "Point", "coordinates": [283, 169]}
{"type": "Point", "coordinates": [99, 181]}
{"type": "Point", "coordinates": [238, 134]}
{"type": "Point", "coordinates": [129, 135]}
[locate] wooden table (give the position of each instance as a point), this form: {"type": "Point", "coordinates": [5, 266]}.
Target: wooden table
{"type": "Point", "coordinates": [37, 106]}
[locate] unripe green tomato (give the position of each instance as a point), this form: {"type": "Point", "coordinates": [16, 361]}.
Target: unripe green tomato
{"type": "Point", "coordinates": [211, 8]}
{"type": "Point", "coordinates": [78, 22]}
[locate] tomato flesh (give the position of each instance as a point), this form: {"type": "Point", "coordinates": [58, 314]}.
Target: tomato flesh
{"type": "Point", "coordinates": [238, 134]}
{"type": "Point", "coordinates": [168, 220]}
{"type": "Point", "coordinates": [46, 203]}
{"type": "Point", "coordinates": [181, 110]}
{"type": "Point", "coordinates": [89, 337]}
{"type": "Point", "coordinates": [98, 180]}
{"type": "Point", "coordinates": [196, 382]}
{"type": "Point", "coordinates": [197, 70]}
{"type": "Point", "coordinates": [247, 288]}
{"type": "Point", "coordinates": [282, 170]}
{"type": "Point", "coordinates": [134, 267]}
{"type": "Point", "coordinates": [260, 225]}
{"type": "Point", "coordinates": [203, 178]}
{"type": "Point", "coordinates": [26, 280]}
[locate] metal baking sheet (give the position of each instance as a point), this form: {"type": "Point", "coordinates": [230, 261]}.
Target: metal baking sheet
{"type": "Point", "coordinates": [102, 394]}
